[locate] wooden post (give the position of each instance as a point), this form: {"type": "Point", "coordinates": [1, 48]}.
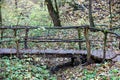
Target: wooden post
{"type": "Point", "coordinates": [86, 34]}
{"type": "Point", "coordinates": [16, 41]}
{"type": "Point", "coordinates": [2, 31]}
{"type": "Point", "coordinates": [79, 37]}
{"type": "Point", "coordinates": [26, 38]}
{"type": "Point", "coordinates": [119, 44]}
{"type": "Point", "coordinates": [17, 45]}
{"type": "Point", "coordinates": [72, 61]}
{"type": "Point", "coordinates": [104, 46]}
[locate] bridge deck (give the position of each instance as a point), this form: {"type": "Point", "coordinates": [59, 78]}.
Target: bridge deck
{"type": "Point", "coordinates": [62, 53]}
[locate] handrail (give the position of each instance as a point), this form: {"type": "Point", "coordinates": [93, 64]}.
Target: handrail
{"type": "Point", "coordinates": [65, 27]}
{"type": "Point", "coordinates": [86, 28]}
{"type": "Point", "coordinates": [35, 27]}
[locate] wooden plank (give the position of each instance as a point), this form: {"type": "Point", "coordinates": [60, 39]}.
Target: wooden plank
{"type": "Point", "coordinates": [114, 28]}
{"type": "Point", "coordinates": [68, 27]}
{"type": "Point", "coordinates": [18, 27]}
{"type": "Point", "coordinates": [47, 51]}
{"type": "Point", "coordinates": [38, 39]}
{"type": "Point", "coordinates": [62, 53]}
{"type": "Point", "coordinates": [35, 27]}
{"type": "Point", "coordinates": [56, 40]}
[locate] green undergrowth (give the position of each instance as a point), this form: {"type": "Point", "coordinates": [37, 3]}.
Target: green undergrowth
{"type": "Point", "coordinates": [12, 68]}
{"type": "Point", "coordinates": [22, 69]}
{"type": "Point", "coordinates": [102, 71]}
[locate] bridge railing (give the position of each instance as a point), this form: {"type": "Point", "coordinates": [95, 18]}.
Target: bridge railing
{"type": "Point", "coordinates": [86, 29]}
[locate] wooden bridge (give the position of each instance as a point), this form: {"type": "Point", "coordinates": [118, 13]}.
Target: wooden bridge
{"type": "Point", "coordinates": [110, 54]}
{"type": "Point", "coordinates": [101, 54]}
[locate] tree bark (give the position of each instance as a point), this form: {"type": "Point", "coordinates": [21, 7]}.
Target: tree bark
{"type": "Point", "coordinates": [90, 14]}
{"type": "Point", "coordinates": [53, 13]}
{"type": "Point", "coordinates": [104, 46]}
{"type": "Point", "coordinates": [86, 34]}
{"type": "Point", "coordinates": [0, 14]}
{"type": "Point", "coordinates": [110, 13]}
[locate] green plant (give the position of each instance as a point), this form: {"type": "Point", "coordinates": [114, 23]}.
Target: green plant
{"type": "Point", "coordinates": [22, 69]}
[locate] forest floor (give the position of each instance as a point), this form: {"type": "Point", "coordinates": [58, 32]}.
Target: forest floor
{"type": "Point", "coordinates": [33, 68]}
{"type": "Point", "coordinates": [96, 71]}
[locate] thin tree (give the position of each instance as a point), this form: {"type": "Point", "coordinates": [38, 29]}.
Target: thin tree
{"type": "Point", "coordinates": [90, 14]}
{"type": "Point", "coordinates": [86, 33]}
{"type": "Point", "coordinates": [53, 12]}
{"type": "Point", "coordinates": [16, 4]}
{"type": "Point", "coordinates": [18, 15]}
{"type": "Point", "coordinates": [0, 12]}
{"type": "Point", "coordinates": [1, 19]}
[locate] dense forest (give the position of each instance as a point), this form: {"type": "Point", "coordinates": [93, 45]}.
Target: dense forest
{"type": "Point", "coordinates": [59, 40]}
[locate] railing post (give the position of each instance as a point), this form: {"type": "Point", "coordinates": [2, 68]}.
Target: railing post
{"type": "Point", "coordinates": [17, 42]}
{"type": "Point", "coordinates": [104, 46]}
{"type": "Point", "coordinates": [86, 34]}
{"type": "Point", "coordinates": [26, 38]}
{"type": "Point", "coordinates": [2, 31]}
{"type": "Point", "coordinates": [15, 32]}
{"type": "Point", "coordinates": [79, 37]}
{"type": "Point", "coordinates": [119, 44]}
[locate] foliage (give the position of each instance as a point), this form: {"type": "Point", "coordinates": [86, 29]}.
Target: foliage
{"type": "Point", "coordinates": [105, 71]}
{"type": "Point", "coordinates": [22, 69]}
{"type": "Point", "coordinates": [27, 13]}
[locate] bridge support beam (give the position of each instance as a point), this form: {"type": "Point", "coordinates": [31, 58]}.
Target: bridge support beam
{"type": "Point", "coordinates": [72, 61]}
{"type": "Point", "coordinates": [119, 44]}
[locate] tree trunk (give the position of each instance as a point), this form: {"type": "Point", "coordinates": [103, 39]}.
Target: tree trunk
{"type": "Point", "coordinates": [0, 14]}
{"type": "Point", "coordinates": [90, 14]}
{"type": "Point", "coordinates": [86, 34]}
{"type": "Point", "coordinates": [53, 13]}
{"type": "Point", "coordinates": [104, 46]}
{"type": "Point", "coordinates": [16, 4]}
{"type": "Point", "coordinates": [1, 21]}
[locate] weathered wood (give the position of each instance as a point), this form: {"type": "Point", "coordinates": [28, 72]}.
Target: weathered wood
{"type": "Point", "coordinates": [48, 52]}
{"type": "Point", "coordinates": [102, 30]}
{"type": "Point", "coordinates": [35, 27]}
{"type": "Point", "coordinates": [36, 40]}
{"type": "Point", "coordinates": [57, 40]}
{"type": "Point", "coordinates": [119, 44]}
{"type": "Point", "coordinates": [86, 34]}
{"type": "Point", "coordinates": [26, 38]}
{"type": "Point", "coordinates": [2, 31]}
{"type": "Point", "coordinates": [110, 54]}
{"type": "Point", "coordinates": [104, 46]}
{"type": "Point", "coordinates": [101, 25]}
{"type": "Point", "coordinates": [64, 27]}
{"type": "Point", "coordinates": [68, 27]}
{"type": "Point", "coordinates": [56, 53]}
{"type": "Point", "coordinates": [18, 27]}
{"type": "Point", "coordinates": [114, 28]}
{"type": "Point", "coordinates": [16, 41]}
{"type": "Point", "coordinates": [79, 37]}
